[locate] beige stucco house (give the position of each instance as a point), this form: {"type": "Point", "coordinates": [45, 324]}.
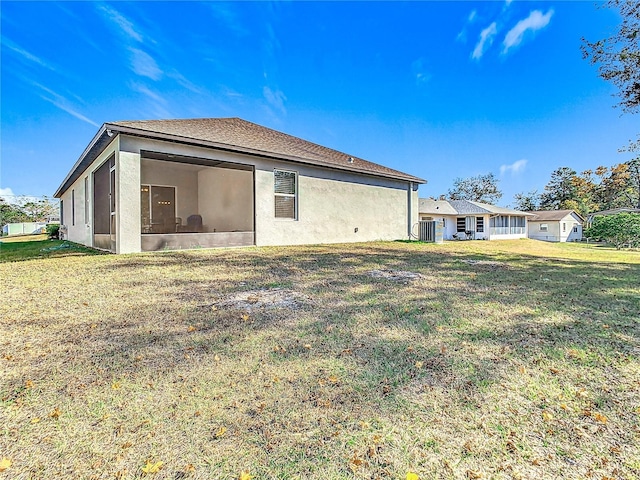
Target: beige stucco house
{"type": "Point", "coordinates": [464, 219]}
{"type": "Point", "coordinates": [171, 184]}
{"type": "Point", "coordinates": [556, 226]}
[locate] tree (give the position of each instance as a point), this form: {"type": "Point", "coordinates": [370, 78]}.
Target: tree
{"type": "Point", "coordinates": [527, 202]}
{"type": "Point", "coordinates": [618, 56]}
{"type": "Point", "coordinates": [38, 210]}
{"type": "Point", "coordinates": [620, 229]}
{"type": "Point", "coordinates": [11, 213]}
{"type": "Point", "coordinates": [560, 192]}
{"type": "Point", "coordinates": [483, 188]}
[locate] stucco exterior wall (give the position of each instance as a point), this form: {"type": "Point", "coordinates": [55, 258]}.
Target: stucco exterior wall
{"type": "Point", "coordinates": [332, 204]}
{"type": "Point", "coordinates": [333, 210]}
{"type": "Point", "coordinates": [128, 203]}
{"type": "Point", "coordinates": [82, 231]}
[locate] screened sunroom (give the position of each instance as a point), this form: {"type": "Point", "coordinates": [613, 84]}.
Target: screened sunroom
{"type": "Point", "coordinates": [187, 202]}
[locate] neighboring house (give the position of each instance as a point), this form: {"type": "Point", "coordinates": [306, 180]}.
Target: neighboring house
{"type": "Point", "coordinates": [475, 220]}
{"type": "Point", "coordinates": [556, 226]}
{"type": "Point", "coordinates": [613, 211]}
{"type": "Point", "coordinates": [24, 228]}
{"type": "Point", "coordinates": [171, 184]}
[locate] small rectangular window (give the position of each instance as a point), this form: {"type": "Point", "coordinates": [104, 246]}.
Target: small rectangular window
{"type": "Point", "coordinates": [479, 224]}
{"type": "Point", "coordinates": [61, 212]}
{"type": "Point", "coordinates": [564, 227]}
{"type": "Point", "coordinates": [286, 194]}
{"type": "Point", "coordinates": [544, 227]}
{"type": "Point", "coordinates": [461, 225]}
{"type": "Point", "coordinates": [86, 200]}
{"type": "Point", "coordinates": [73, 207]}
{"type": "Point", "coordinates": [575, 229]}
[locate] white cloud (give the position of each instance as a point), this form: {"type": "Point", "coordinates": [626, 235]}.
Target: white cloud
{"type": "Point", "coordinates": [275, 98]}
{"type": "Point", "coordinates": [147, 93]}
{"type": "Point", "coordinates": [462, 36]}
{"type": "Point", "coordinates": [125, 24]}
{"type": "Point", "coordinates": [515, 168]}
{"type": "Point", "coordinates": [420, 72]}
{"type": "Point", "coordinates": [6, 192]}
{"type": "Point", "coordinates": [25, 55]}
{"type": "Point", "coordinates": [62, 103]}
{"type": "Point", "coordinates": [144, 65]}
{"type": "Point", "coordinates": [484, 42]}
{"type": "Point", "coordinates": [228, 15]}
{"type": "Point", "coordinates": [534, 22]}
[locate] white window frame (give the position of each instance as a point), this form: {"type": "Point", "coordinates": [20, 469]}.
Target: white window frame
{"type": "Point", "coordinates": [286, 195]}
{"type": "Point", "coordinates": [544, 227]}
{"type": "Point", "coordinates": [73, 206]}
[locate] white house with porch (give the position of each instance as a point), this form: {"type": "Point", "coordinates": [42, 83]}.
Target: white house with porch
{"type": "Point", "coordinates": [464, 219]}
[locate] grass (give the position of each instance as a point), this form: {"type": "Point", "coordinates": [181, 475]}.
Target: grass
{"type": "Point", "coordinates": [28, 247]}
{"type": "Point", "coordinates": [504, 360]}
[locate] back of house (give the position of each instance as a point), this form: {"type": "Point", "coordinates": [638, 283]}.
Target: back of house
{"type": "Point", "coordinates": [173, 184]}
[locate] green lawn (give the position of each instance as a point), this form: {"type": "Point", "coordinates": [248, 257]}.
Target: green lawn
{"type": "Point", "coordinates": [505, 360]}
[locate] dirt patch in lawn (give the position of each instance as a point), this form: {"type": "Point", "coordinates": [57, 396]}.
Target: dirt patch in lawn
{"type": "Point", "coordinates": [270, 298]}
{"type": "Point", "coordinates": [395, 275]}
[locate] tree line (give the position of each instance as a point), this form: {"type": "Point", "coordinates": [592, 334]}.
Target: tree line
{"type": "Point", "coordinates": [27, 209]}
{"type": "Point", "coordinates": [589, 191]}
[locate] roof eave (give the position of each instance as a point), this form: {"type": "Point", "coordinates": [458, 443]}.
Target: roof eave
{"type": "Point", "coordinates": [61, 189]}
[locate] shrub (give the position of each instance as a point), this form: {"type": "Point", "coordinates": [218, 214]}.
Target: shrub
{"type": "Point", "coordinates": [622, 229]}
{"type": "Point", "coordinates": [53, 230]}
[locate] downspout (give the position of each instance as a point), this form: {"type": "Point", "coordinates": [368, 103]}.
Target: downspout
{"type": "Point", "coordinates": [409, 212]}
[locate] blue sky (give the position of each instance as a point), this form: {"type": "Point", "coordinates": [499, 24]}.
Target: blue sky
{"type": "Point", "coordinates": [436, 89]}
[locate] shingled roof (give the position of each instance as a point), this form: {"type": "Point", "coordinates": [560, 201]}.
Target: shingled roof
{"type": "Point", "coordinates": [463, 207]}
{"type": "Point", "coordinates": [552, 215]}
{"type": "Point", "coordinates": [235, 135]}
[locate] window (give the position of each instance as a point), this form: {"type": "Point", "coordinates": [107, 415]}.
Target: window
{"type": "Point", "coordinates": [73, 207]}
{"type": "Point", "coordinates": [564, 227]}
{"type": "Point", "coordinates": [544, 227]}
{"type": "Point", "coordinates": [518, 222]}
{"type": "Point", "coordinates": [61, 212]}
{"type": "Point", "coordinates": [286, 194]}
{"type": "Point", "coordinates": [86, 200]}
{"type": "Point", "coordinates": [480, 224]}
{"type": "Point", "coordinates": [426, 219]}
{"type": "Point", "coordinates": [158, 209]}
{"type": "Point", "coordinates": [575, 229]}
{"type": "Point", "coordinates": [499, 221]}
{"type": "Point", "coordinates": [461, 225]}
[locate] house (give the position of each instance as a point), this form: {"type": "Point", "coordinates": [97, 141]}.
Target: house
{"type": "Point", "coordinates": [464, 219]}
{"type": "Point", "coordinates": [171, 184]}
{"type": "Point", "coordinates": [556, 226]}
